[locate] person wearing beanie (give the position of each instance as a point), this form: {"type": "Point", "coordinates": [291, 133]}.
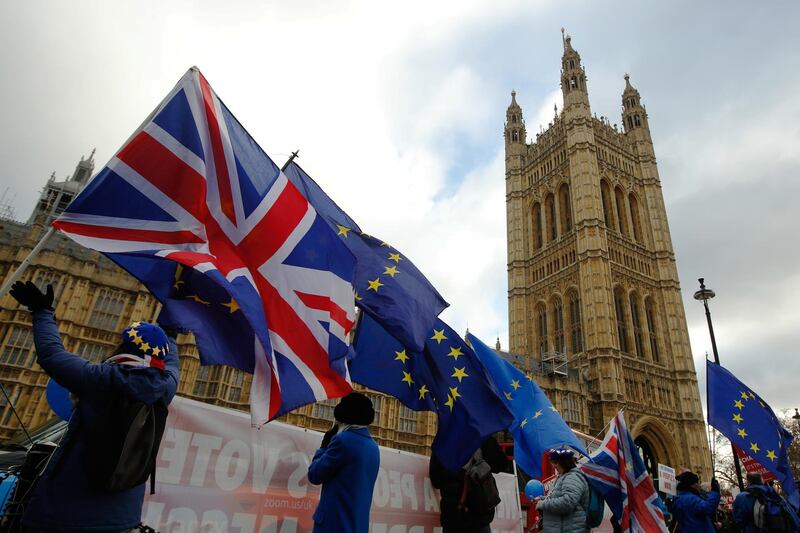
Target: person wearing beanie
{"type": "Point", "coordinates": [143, 367]}
{"type": "Point", "coordinates": [346, 465]}
{"type": "Point", "coordinates": [565, 506]}
{"type": "Point", "coordinates": [693, 509]}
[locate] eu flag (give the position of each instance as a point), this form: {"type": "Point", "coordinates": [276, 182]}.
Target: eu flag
{"type": "Point", "coordinates": [537, 425]}
{"type": "Point", "coordinates": [747, 421]}
{"type": "Point", "coordinates": [388, 286]}
{"type": "Point", "coordinates": [445, 377]}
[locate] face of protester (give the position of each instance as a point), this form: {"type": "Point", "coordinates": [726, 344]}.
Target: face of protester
{"type": "Point", "coordinates": [558, 467]}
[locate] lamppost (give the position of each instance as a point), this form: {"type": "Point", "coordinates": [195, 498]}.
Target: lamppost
{"type": "Point", "coordinates": [705, 294]}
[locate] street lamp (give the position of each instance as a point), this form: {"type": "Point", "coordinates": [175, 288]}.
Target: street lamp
{"type": "Point", "coordinates": [704, 295]}
{"type": "Point", "coordinates": [796, 418]}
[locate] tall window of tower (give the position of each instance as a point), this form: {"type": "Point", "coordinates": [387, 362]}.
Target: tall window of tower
{"type": "Point", "coordinates": [538, 234]}
{"type": "Point", "coordinates": [622, 329]}
{"type": "Point", "coordinates": [550, 211]}
{"type": "Point", "coordinates": [573, 82]}
{"type": "Point", "coordinates": [637, 325]}
{"type": "Point", "coordinates": [541, 320]}
{"type": "Point", "coordinates": [636, 120]}
{"type": "Point", "coordinates": [575, 326]}
{"type": "Point", "coordinates": [566, 212]}
{"type": "Point", "coordinates": [571, 63]}
{"type": "Point", "coordinates": [605, 195]}
{"type": "Point", "coordinates": [622, 212]}
{"type": "Point", "coordinates": [514, 118]}
{"type": "Point", "coordinates": [651, 329]}
{"type": "Point", "coordinates": [558, 325]}
{"type": "Point", "coordinates": [636, 221]}
{"type": "Point", "coordinates": [515, 136]}
{"type": "Point", "coordinates": [630, 123]}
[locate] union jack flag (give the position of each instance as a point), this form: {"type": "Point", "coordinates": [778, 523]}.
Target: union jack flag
{"type": "Point", "coordinates": [192, 199]}
{"type": "Point", "coordinates": [618, 472]}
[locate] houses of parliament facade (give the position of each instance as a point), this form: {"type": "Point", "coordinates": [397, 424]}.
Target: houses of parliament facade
{"type": "Point", "coordinates": [595, 311]}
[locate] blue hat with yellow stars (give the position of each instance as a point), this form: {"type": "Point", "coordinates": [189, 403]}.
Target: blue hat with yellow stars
{"type": "Point", "coordinates": [143, 345]}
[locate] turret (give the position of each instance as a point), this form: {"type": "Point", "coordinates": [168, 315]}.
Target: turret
{"type": "Point", "coordinates": [84, 169]}
{"type": "Point", "coordinates": [515, 126]}
{"type": "Point", "coordinates": [634, 115]}
{"type": "Point", "coordinates": [573, 76]}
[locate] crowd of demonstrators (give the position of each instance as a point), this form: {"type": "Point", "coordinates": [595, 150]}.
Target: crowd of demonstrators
{"type": "Point", "coordinates": [465, 505]}
{"type": "Point", "coordinates": [694, 510]}
{"type": "Point", "coordinates": [346, 465]}
{"type": "Point", "coordinates": [143, 368]}
{"type": "Point", "coordinates": [564, 508]}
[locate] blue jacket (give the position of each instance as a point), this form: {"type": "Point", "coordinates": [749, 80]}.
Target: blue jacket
{"type": "Point", "coordinates": [62, 499]}
{"type": "Point", "coordinates": [347, 470]}
{"type": "Point", "coordinates": [695, 514]}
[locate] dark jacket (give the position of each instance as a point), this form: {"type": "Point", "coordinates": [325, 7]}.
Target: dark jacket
{"type": "Point", "coordinates": [62, 499]}
{"type": "Point", "coordinates": [451, 486]}
{"type": "Point", "coordinates": [695, 512]}
{"type": "Point", "coordinates": [347, 470]}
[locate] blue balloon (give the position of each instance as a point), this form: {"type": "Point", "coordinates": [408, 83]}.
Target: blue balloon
{"type": "Point", "coordinates": [534, 488]}
{"type": "Point", "coordinates": [58, 398]}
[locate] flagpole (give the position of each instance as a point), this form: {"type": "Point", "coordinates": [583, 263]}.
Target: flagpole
{"type": "Point", "coordinates": [289, 161]}
{"type": "Point", "coordinates": [26, 262]}
{"type": "Point", "coordinates": [705, 295]}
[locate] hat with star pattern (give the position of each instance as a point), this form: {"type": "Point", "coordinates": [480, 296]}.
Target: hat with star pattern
{"type": "Point", "coordinates": [144, 345]}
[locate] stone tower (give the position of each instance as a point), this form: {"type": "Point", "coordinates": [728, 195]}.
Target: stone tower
{"type": "Point", "coordinates": [592, 282]}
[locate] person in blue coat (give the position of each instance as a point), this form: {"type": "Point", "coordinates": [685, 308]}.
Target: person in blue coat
{"type": "Point", "coordinates": [144, 367]}
{"type": "Point", "coordinates": [693, 509]}
{"type": "Point", "coordinates": [346, 465]}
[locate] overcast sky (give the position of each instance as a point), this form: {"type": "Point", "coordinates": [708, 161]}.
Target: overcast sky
{"type": "Point", "coordinates": [398, 111]}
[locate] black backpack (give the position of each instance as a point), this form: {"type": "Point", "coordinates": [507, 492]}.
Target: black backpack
{"type": "Point", "coordinates": [772, 513]}
{"type": "Point", "coordinates": [123, 448]}
{"type": "Point", "coordinates": [480, 492]}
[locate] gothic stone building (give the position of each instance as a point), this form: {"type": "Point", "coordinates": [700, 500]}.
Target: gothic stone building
{"type": "Point", "coordinates": [592, 284]}
{"type": "Point", "coordinates": [95, 299]}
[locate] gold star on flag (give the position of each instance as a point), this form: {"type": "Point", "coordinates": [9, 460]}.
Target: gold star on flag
{"type": "Point", "coordinates": [392, 271]}
{"type": "Point", "coordinates": [507, 395]}
{"type": "Point", "coordinates": [745, 397]}
{"type": "Point", "coordinates": [537, 415]}
{"type": "Point", "coordinates": [752, 395]}
{"type": "Point", "coordinates": [455, 352]}
{"type": "Point", "coordinates": [374, 284]}
{"type": "Point", "coordinates": [438, 336]}
{"type": "Point", "coordinates": [742, 433]}
{"type": "Point", "coordinates": [356, 296]}
{"type": "Point", "coordinates": [423, 391]}
{"type": "Point", "coordinates": [343, 230]}
{"type": "Point", "coordinates": [459, 373]}
{"type": "Point", "coordinates": [515, 384]}
{"type": "Point", "coordinates": [771, 455]}
{"type": "Point", "coordinates": [738, 404]}
{"type": "Point", "coordinates": [395, 257]}
{"type": "Point", "coordinates": [232, 306]}
{"type": "Point", "coordinates": [384, 243]}
{"type": "Point", "coordinates": [529, 377]}
{"type": "Point", "coordinates": [738, 418]}
{"type": "Point", "coordinates": [523, 423]}
{"type": "Point", "coordinates": [401, 356]}
{"type": "Point", "coordinates": [407, 378]}
{"type": "Point", "coordinates": [454, 392]}
{"type": "Point", "coordinates": [754, 447]}
{"type": "Point", "coordinates": [553, 409]}
{"type": "Point", "coordinates": [450, 402]}
{"type": "Point", "coordinates": [199, 300]}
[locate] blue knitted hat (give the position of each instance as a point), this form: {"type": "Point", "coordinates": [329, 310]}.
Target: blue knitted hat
{"type": "Point", "coordinates": [143, 345]}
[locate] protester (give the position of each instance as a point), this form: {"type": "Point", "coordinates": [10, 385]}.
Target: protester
{"type": "Point", "coordinates": [758, 491]}
{"type": "Point", "coordinates": [346, 465]}
{"type": "Point", "coordinates": [693, 509]}
{"type": "Point", "coordinates": [465, 509]}
{"type": "Point", "coordinates": [563, 510]}
{"type": "Point", "coordinates": [64, 499]}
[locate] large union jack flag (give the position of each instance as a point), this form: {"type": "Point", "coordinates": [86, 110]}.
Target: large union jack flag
{"type": "Point", "coordinates": [618, 472]}
{"type": "Point", "coordinates": [195, 210]}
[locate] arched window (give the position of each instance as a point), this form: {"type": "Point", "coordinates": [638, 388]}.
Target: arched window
{"type": "Point", "coordinates": [571, 63]}
{"type": "Point", "coordinates": [651, 329]}
{"type": "Point", "coordinates": [637, 325]}
{"type": "Point", "coordinates": [622, 212]}
{"type": "Point", "coordinates": [541, 321]}
{"type": "Point", "coordinates": [635, 219]}
{"type": "Point", "coordinates": [515, 136]}
{"type": "Point", "coordinates": [557, 308]}
{"type": "Point", "coordinates": [630, 123]}
{"type": "Point", "coordinates": [573, 82]}
{"type": "Point", "coordinates": [636, 120]}
{"type": "Point", "coordinates": [514, 119]}
{"type": "Point", "coordinates": [566, 211]}
{"type": "Point", "coordinates": [550, 212]}
{"type": "Point", "coordinates": [622, 329]}
{"type": "Point", "coordinates": [575, 324]}
{"type": "Point", "coordinates": [538, 234]}
{"type": "Point", "coordinates": [605, 196]}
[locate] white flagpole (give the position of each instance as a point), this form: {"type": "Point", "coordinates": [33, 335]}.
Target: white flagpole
{"type": "Point", "coordinates": [27, 261]}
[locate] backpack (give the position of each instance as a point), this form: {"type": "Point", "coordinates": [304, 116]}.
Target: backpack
{"type": "Point", "coordinates": [480, 488]}
{"type": "Point", "coordinates": [124, 447]}
{"type": "Point", "coordinates": [596, 508]}
{"type": "Point", "coordinates": [772, 513]}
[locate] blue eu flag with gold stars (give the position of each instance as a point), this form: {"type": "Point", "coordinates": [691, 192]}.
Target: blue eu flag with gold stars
{"type": "Point", "coordinates": [747, 421]}
{"type": "Point", "coordinates": [388, 286]}
{"type": "Point", "coordinates": [538, 426]}
{"type": "Point", "coordinates": [445, 377]}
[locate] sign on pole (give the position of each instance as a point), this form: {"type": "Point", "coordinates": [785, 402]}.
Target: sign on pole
{"type": "Point", "coordinates": [666, 479]}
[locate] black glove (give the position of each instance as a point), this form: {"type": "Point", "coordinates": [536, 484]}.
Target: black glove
{"type": "Point", "coordinates": [30, 296]}
{"type": "Point", "coordinates": [714, 484]}
{"type": "Point", "coordinates": [329, 435]}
